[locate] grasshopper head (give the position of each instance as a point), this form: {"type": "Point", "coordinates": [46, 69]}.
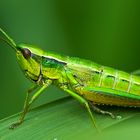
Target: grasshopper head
{"type": "Point", "coordinates": [29, 59]}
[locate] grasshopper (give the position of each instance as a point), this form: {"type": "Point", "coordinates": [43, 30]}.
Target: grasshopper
{"type": "Point", "coordinates": [88, 82]}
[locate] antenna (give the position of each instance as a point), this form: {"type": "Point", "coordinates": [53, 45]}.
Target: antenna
{"type": "Point", "coordinates": [8, 40]}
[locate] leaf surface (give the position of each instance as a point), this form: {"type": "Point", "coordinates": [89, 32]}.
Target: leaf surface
{"type": "Point", "coordinates": [66, 119]}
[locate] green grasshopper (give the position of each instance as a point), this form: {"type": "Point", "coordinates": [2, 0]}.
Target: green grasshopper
{"type": "Point", "coordinates": [90, 83]}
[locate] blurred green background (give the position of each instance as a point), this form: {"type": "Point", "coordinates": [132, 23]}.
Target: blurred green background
{"type": "Point", "coordinates": [107, 32]}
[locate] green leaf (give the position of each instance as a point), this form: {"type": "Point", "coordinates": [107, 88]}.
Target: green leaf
{"type": "Point", "coordinates": [66, 119]}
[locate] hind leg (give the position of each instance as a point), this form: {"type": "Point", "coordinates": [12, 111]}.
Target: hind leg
{"type": "Point", "coordinates": [98, 110]}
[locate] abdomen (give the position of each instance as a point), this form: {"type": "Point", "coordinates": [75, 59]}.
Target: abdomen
{"type": "Point", "coordinates": [106, 77]}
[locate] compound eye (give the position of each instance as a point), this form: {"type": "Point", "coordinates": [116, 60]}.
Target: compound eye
{"type": "Point", "coordinates": [26, 53]}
